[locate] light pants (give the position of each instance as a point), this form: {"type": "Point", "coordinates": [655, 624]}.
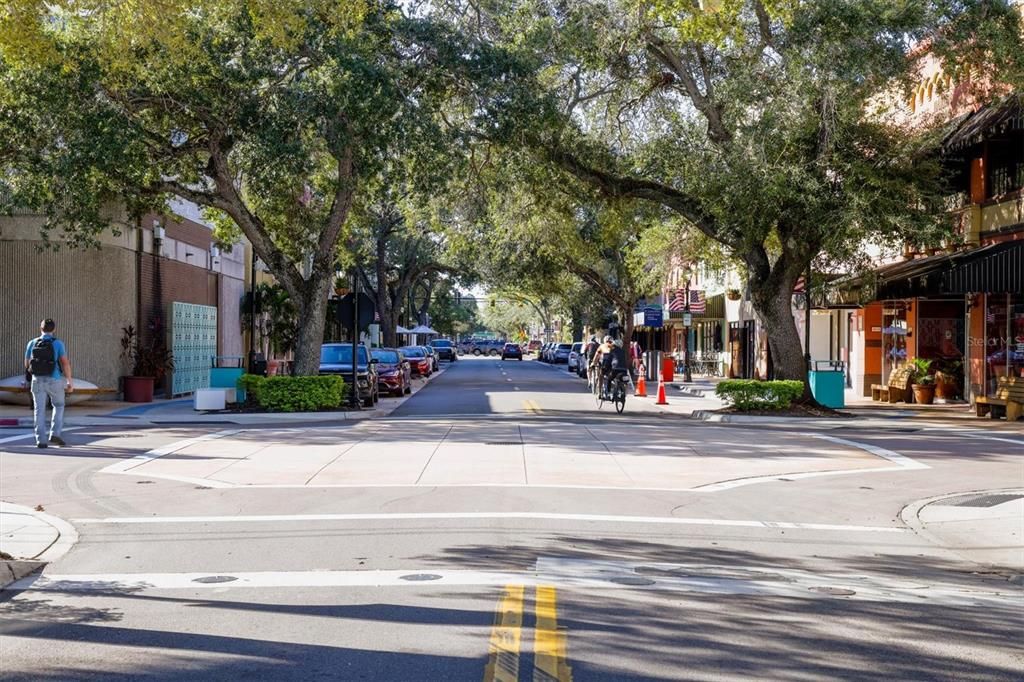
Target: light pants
{"type": "Point", "coordinates": [43, 388]}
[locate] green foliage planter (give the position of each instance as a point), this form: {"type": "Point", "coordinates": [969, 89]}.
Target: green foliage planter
{"type": "Point", "coordinates": [294, 394]}
{"type": "Point", "coordinates": [749, 395]}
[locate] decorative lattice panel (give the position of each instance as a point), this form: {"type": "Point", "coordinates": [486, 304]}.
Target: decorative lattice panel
{"type": "Point", "coordinates": [194, 344]}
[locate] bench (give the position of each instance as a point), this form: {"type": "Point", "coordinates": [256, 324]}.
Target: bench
{"type": "Point", "coordinates": [897, 389]}
{"type": "Point", "coordinates": [1009, 394]}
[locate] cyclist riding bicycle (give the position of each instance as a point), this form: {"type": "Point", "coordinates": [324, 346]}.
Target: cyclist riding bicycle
{"type": "Point", "coordinates": [612, 360]}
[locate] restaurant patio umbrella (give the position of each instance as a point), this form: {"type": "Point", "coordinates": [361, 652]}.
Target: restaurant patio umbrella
{"type": "Point", "coordinates": [423, 329]}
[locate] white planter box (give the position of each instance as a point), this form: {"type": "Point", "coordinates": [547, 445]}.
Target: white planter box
{"type": "Point", "coordinates": [209, 399]}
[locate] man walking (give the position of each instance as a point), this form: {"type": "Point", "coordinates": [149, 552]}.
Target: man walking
{"type": "Point", "coordinates": [46, 360]}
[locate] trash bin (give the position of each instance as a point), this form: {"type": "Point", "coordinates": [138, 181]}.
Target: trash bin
{"type": "Point", "coordinates": [652, 361]}
{"type": "Point", "coordinates": [828, 383]}
{"type": "Point", "coordinates": [668, 369]}
{"type": "Point", "coordinates": [224, 374]}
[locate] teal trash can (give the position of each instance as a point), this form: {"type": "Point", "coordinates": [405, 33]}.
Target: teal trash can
{"type": "Point", "coordinates": [828, 384]}
{"type": "Point", "coordinates": [223, 375]}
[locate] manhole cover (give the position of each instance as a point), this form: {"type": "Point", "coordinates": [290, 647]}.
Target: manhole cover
{"type": "Point", "coordinates": [503, 442]}
{"type": "Point", "coordinates": [979, 500]}
{"type": "Point", "coordinates": [420, 577]}
{"type": "Point", "coordinates": [631, 580]}
{"type": "Point", "coordinates": [215, 579]}
{"type": "Point", "coordinates": [834, 591]}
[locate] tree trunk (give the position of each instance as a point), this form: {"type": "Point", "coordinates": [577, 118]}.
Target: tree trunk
{"type": "Point", "coordinates": [773, 302]}
{"type": "Point", "coordinates": [312, 319]}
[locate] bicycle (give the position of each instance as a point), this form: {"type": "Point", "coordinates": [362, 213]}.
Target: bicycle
{"type": "Point", "coordinates": [616, 391]}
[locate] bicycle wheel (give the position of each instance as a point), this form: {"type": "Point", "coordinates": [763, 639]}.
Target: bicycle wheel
{"type": "Point", "coordinates": [620, 396]}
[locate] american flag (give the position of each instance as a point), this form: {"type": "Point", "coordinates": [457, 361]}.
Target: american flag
{"type": "Point", "coordinates": [678, 302]}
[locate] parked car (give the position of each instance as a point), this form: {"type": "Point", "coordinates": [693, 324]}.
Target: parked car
{"type": "Point", "coordinates": [542, 352]}
{"type": "Point", "coordinates": [419, 361]}
{"type": "Point", "coordinates": [560, 353]}
{"type": "Point", "coordinates": [336, 358]}
{"type": "Point", "coordinates": [533, 346]}
{"type": "Point", "coordinates": [512, 351]}
{"type": "Point", "coordinates": [574, 356]}
{"type": "Point", "coordinates": [445, 349]}
{"type": "Point", "coordinates": [394, 375]}
{"type": "Point", "coordinates": [432, 354]}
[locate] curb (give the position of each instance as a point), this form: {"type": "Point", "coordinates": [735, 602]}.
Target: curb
{"type": "Point", "coordinates": [231, 417]}
{"type": "Point", "coordinates": [67, 536]}
{"type": "Point", "coordinates": [910, 514]}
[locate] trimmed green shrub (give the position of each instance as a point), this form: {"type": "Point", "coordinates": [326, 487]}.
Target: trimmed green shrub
{"type": "Point", "coordinates": [250, 383]}
{"type": "Point", "coordinates": [749, 394]}
{"type": "Point", "coordinates": [295, 394]}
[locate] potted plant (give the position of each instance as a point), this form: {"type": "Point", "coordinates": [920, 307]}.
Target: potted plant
{"type": "Point", "coordinates": [923, 383]}
{"type": "Point", "coordinates": [732, 294]}
{"type": "Point", "coordinates": [947, 380]}
{"type": "Point", "coordinates": [150, 362]}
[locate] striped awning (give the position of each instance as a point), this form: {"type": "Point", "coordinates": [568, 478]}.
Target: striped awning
{"type": "Point", "coordinates": [992, 269]}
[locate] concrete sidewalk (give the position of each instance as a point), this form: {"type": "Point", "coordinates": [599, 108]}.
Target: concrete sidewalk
{"type": "Point", "coordinates": [986, 526]}
{"type": "Point", "coordinates": [31, 538]}
{"type": "Point", "coordinates": [180, 411]}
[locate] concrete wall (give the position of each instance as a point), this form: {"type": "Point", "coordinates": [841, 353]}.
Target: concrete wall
{"type": "Point", "coordinates": [91, 294]}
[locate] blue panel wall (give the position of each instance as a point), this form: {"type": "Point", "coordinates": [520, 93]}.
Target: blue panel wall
{"type": "Point", "coordinates": [194, 344]}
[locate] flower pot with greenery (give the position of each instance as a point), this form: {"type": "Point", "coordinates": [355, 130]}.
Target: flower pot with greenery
{"type": "Point", "coordinates": [923, 383]}
{"type": "Point", "coordinates": [150, 362]}
{"type": "Point", "coordinates": [947, 380]}
{"type": "Point", "coordinates": [733, 294]}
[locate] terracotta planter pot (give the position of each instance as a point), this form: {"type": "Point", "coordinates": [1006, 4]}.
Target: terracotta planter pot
{"type": "Point", "coordinates": [138, 389]}
{"type": "Point", "coordinates": [947, 390]}
{"type": "Point", "coordinates": [924, 394]}
{"type": "Point", "coordinates": [733, 295]}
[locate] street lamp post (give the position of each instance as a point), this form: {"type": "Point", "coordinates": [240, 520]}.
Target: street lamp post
{"type": "Point", "coordinates": [687, 376]}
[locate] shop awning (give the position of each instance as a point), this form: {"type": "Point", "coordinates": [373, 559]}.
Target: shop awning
{"type": "Point", "coordinates": [999, 117]}
{"type": "Point", "coordinates": [992, 269]}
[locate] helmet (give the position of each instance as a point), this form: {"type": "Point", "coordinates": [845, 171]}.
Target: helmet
{"type": "Point", "coordinates": [618, 343]}
{"type": "Point", "coordinates": [607, 339]}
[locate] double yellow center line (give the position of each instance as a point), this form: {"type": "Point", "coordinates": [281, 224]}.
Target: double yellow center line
{"type": "Point", "coordinates": [549, 642]}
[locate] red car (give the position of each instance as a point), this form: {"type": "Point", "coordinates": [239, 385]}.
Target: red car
{"type": "Point", "coordinates": [533, 346]}
{"type": "Point", "coordinates": [394, 375]}
{"type": "Point", "coordinates": [420, 363]}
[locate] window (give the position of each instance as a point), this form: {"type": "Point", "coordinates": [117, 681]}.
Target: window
{"type": "Point", "coordinates": [1006, 165]}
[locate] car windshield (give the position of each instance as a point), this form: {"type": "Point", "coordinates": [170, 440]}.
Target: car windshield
{"type": "Point", "coordinates": [340, 355]}
{"type": "Point", "coordinates": [512, 346]}
{"type": "Point", "coordinates": [564, 346]}
{"type": "Point", "coordinates": [441, 344]}
{"type": "Point", "coordinates": [413, 352]}
{"type": "Point", "coordinates": [388, 357]}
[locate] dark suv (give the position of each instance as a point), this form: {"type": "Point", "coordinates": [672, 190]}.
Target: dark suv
{"type": "Point", "coordinates": [336, 358]}
{"type": "Point", "coordinates": [445, 349]}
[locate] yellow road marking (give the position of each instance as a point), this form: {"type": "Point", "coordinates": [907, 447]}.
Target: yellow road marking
{"type": "Point", "coordinates": [549, 642]}
{"type": "Point", "coordinates": [506, 636]}
{"type": "Point", "coordinates": [531, 406]}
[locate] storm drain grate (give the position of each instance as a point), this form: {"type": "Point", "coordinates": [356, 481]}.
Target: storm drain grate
{"type": "Point", "coordinates": [420, 577]}
{"type": "Point", "coordinates": [637, 581]}
{"type": "Point", "coordinates": [215, 579]}
{"type": "Point", "coordinates": [980, 501]}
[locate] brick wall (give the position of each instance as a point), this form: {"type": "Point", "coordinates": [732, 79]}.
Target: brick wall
{"type": "Point", "coordinates": [177, 282]}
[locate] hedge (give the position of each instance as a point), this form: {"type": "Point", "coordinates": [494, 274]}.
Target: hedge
{"type": "Point", "coordinates": [749, 394]}
{"type": "Point", "coordinates": [294, 394]}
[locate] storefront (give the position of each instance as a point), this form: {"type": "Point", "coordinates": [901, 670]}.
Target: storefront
{"type": "Point", "coordinates": [963, 311]}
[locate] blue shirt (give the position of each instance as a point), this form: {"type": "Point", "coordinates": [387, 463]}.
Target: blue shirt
{"type": "Point", "coordinates": [58, 352]}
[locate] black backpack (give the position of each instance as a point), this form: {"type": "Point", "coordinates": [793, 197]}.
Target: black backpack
{"type": "Point", "coordinates": [43, 360]}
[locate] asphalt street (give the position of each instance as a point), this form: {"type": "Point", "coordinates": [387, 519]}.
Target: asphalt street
{"type": "Point", "coordinates": [499, 526]}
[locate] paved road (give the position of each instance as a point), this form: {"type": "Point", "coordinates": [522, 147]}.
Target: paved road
{"type": "Point", "coordinates": [499, 527]}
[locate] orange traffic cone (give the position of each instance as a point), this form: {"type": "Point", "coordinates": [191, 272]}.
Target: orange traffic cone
{"type": "Point", "coordinates": [641, 385]}
{"type": "Point", "coordinates": [661, 392]}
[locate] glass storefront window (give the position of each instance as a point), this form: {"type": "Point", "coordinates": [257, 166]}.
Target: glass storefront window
{"type": "Point", "coordinates": [894, 337]}
{"type": "Point", "coordinates": [1004, 338]}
